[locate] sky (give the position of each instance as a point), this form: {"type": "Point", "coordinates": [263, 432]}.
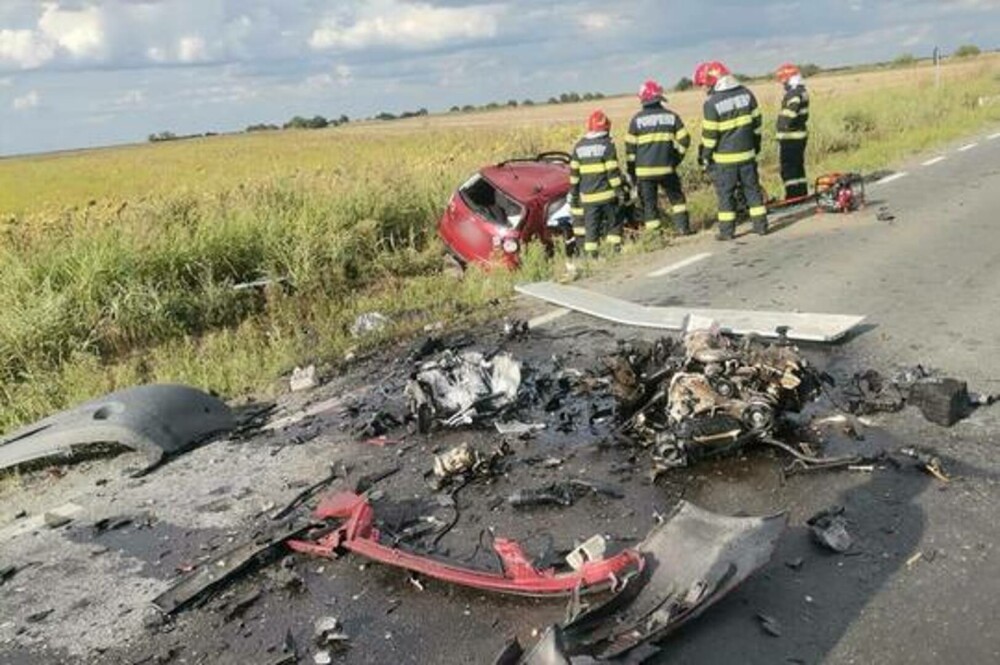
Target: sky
{"type": "Point", "coordinates": [81, 73]}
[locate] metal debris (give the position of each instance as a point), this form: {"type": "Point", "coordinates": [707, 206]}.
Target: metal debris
{"type": "Point", "coordinates": [829, 529]}
{"type": "Point", "coordinates": [368, 323]}
{"type": "Point", "coordinates": [460, 389]}
{"type": "Point", "coordinates": [709, 397]}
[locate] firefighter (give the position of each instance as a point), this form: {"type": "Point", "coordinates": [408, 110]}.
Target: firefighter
{"type": "Point", "coordinates": [793, 132]}
{"type": "Point", "coordinates": [730, 143]}
{"type": "Point", "coordinates": [596, 188]}
{"type": "Point", "coordinates": [655, 146]}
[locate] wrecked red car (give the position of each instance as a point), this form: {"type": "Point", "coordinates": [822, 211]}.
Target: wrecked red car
{"type": "Point", "coordinates": [494, 213]}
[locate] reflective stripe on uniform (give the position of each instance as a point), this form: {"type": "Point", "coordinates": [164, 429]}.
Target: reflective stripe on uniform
{"type": "Point", "coordinates": [792, 136]}
{"type": "Point", "coordinates": [709, 143]}
{"type": "Point", "coordinates": [579, 231]}
{"type": "Point", "coordinates": [574, 180]}
{"type": "Point", "coordinates": [591, 169]}
{"type": "Point", "coordinates": [576, 212]}
{"type": "Point", "coordinates": [574, 164]}
{"type": "Point", "coordinates": [653, 225]}
{"type": "Point", "coordinates": [615, 182]}
{"type": "Point", "coordinates": [656, 137]}
{"type": "Point", "coordinates": [734, 157]}
{"type": "Point", "coordinates": [590, 246]}
{"type": "Point", "coordinates": [727, 216]}
{"type": "Point", "coordinates": [679, 208]}
{"type": "Point", "coordinates": [613, 239]}
{"type": "Point", "coordinates": [630, 138]}
{"type": "Point", "coordinates": [758, 211]}
{"type": "Point", "coordinates": [728, 125]}
{"type": "Point", "coordinates": [653, 171]}
{"type": "Point", "coordinates": [796, 181]}
{"type": "Point", "coordinates": [789, 113]}
{"type": "Point", "coordinates": [598, 197]}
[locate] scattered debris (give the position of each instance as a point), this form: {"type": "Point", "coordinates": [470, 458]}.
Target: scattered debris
{"type": "Point", "coordinates": [464, 462]}
{"type": "Point", "coordinates": [459, 389]}
{"type": "Point", "coordinates": [216, 572]}
{"type": "Point", "coordinates": [593, 549]}
{"type": "Point", "coordinates": [563, 493]}
{"type": "Point", "coordinates": [709, 397]}
{"type": "Point", "coordinates": [941, 401]}
{"type": "Point", "coordinates": [829, 529]}
{"type": "Point", "coordinates": [693, 559]}
{"type": "Point", "coordinates": [769, 624]}
{"type": "Point", "coordinates": [239, 606]}
{"type": "Point", "coordinates": [337, 471]}
{"type": "Point", "coordinates": [356, 533]}
{"type": "Point", "coordinates": [56, 520]}
{"type": "Point", "coordinates": [799, 326]}
{"type": "Point", "coordinates": [303, 378]}
{"type": "Point", "coordinates": [518, 428]}
{"type": "Point", "coordinates": [38, 617]}
{"type": "Point", "coordinates": [928, 462]}
{"type": "Point", "coordinates": [884, 214]}
{"type": "Point", "coordinates": [328, 632]}
{"type": "Point", "coordinates": [369, 322]}
{"type": "Point", "coordinates": [912, 561]}
{"type": "Point", "coordinates": [158, 420]}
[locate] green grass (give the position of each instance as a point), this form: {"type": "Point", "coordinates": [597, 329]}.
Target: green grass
{"type": "Point", "coordinates": [114, 273]}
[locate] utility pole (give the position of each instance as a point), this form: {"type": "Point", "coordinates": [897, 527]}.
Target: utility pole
{"type": "Point", "coordinates": [937, 67]}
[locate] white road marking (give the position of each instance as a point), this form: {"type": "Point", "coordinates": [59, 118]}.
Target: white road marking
{"type": "Point", "coordinates": [691, 260]}
{"type": "Point", "coordinates": [993, 137]}
{"type": "Point", "coordinates": [967, 147]}
{"type": "Point", "coordinates": [894, 176]}
{"type": "Point", "coordinates": [932, 162]}
{"type": "Point", "coordinates": [540, 321]}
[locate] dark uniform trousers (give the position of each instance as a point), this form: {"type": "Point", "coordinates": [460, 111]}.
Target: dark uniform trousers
{"type": "Point", "coordinates": [728, 178]}
{"type": "Point", "coordinates": [601, 220]}
{"type": "Point", "coordinates": [792, 155]}
{"type": "Point", "coordinates": [649, 194]}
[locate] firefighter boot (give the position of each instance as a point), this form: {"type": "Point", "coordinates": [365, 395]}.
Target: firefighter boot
{"type": "Point", "coordinates": [726, 230]}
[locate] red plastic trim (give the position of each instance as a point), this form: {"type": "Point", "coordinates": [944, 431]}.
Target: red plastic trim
{"type": "Point", "coordinates": [357, 534]}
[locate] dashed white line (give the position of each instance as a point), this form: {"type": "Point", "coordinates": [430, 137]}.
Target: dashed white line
{"type": "Point", "coordinates": [691, 260]}
{"type": "Point", "coordinates": [967, 147]}
{"type": "Point", "coordinates": [993, 137]}
{"type": "Point", "coordinates": [935, 160]}
{"type": "Point", "coordinates": [540, 321]}
{"type": "Point", "coordinates": [891, 178]}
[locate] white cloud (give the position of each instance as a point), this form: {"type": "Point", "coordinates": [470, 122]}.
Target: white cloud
{"type": "Point", "coordinates": [192, 49]}
{"type": "Point", "coordinates": [596, 21]}
{"type": "Point", "coordinates": [25, 49]}
{"type": "Point", "coordinates": [28, 101]}
{"type": "Point", "coordinates": [6, 83]}
{"type": "Point", "coordinates": [413, 25]}
{"type": "Point", "coordinates": [131, 99]}
{"type": "Point", "coordinates": [79, 31]}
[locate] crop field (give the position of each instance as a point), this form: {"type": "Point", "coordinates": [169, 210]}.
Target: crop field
{"type": "Point", "coordinates": [117, 266]}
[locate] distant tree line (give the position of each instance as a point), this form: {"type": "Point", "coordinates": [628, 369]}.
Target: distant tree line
{"type": "Point", "coordinates": [564, 98]}
{"type": "Point", "coordinates": [160, 137]}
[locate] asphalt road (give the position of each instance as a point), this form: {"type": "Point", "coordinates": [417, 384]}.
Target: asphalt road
{"type": "Point", "coordinates": [919, 585]}
{"type": "Point", "coordinates": [929, 282]}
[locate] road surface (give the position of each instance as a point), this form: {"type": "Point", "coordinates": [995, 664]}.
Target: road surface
{"type": "Point", "coordinates": [929, 282]}
{"type": "Point", "coordinates": [919, 585]}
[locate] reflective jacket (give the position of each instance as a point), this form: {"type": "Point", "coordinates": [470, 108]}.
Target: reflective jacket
{"type": "Point", "coordinates": [656, 142]}
{"type": "Point", "coordinates": [794, 117]}
{"type": "Point", "coordinates": [730, 132]}
{"type": "Point", "coordinates": [595, 176]}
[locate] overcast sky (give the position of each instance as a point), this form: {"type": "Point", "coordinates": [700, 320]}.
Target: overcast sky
{"type": "Point", "coordinates": [77, 73]}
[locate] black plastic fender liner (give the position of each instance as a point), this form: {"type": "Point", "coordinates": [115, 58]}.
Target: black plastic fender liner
{"type": "Point", "coordinates": [158, 420]}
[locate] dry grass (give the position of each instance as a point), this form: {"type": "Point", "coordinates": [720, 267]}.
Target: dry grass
{"type": "Point", "coordinates": [117, 265]}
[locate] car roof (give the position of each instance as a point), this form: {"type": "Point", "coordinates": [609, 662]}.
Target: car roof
{"type": "Point", "coordinates": [527, 180]}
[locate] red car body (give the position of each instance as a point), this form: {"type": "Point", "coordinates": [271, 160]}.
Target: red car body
{"type": "Point", "coordinates": [495, 212]}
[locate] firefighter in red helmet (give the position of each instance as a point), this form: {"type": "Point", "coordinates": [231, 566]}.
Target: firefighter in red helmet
{"type": "Point", "coordinates": [655, 146]}
{"type": "Point", "coordinates": [730, 144]}
{"type": "Point", "coordinates": [793, 131]}
{"type": "Point", "coordinates": [596, 187]}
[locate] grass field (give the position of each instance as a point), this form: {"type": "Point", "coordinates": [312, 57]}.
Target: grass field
{"type": "Point", "coordinates": [117, 265]}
